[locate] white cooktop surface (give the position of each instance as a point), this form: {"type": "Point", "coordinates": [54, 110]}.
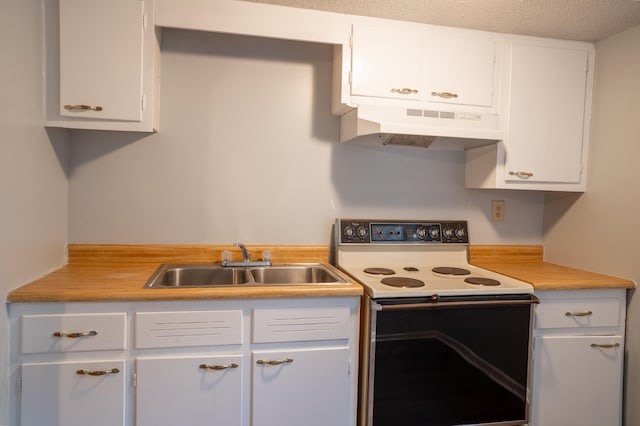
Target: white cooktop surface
{"type": "Point", "coordinates": [416, 263]}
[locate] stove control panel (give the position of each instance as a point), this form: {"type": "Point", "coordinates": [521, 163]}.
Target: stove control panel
{"type": "Point", "coordinates": [401, 232]}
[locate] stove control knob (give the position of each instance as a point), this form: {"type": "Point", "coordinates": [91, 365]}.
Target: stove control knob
{"type": "Point", "coordinates": [460, 233]}
{"type": "Point", "coordinates": [348, 232]}
{"type": "Point", "coordinates": [362, 232]}
{"type": "Point", "coordinates": [434, 232]}
{"type": "Point", "coordinates": [447, 233]}
{"type": "Point", "coordinates": [421, 232]}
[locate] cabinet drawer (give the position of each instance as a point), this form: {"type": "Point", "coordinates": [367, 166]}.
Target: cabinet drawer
{"type": "Point", "coordinates": [300, 324]}
{"type": "Point", "coordinates": [188, 328]}
{"type": "Point", "coordinates": [73, 332]}
{"type": "Point", "coordinates": [576, 313]}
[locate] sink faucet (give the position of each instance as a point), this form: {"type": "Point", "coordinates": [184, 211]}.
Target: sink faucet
{"type": "Point", "coordinates": [246, 258]}
{"type": "Point", "coordinates": [246, 255]}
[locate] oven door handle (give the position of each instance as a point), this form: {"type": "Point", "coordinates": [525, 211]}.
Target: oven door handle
{"type": "Point", "coordinates": [452, 304]}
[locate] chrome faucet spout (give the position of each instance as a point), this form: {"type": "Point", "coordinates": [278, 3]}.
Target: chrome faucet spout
{"type": "Point", "coordinates": [246, 256]}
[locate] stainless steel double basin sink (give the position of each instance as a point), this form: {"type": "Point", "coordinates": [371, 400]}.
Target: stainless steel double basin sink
{"type": "Point", "coordinates": [215, 275]}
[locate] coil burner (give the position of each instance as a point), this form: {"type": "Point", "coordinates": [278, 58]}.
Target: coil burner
{"type": "Point", "coordinates": [482, 281]}
{"type": "Point", "coordinates": [379, 271]}
{"type": "Point", "coordinates": [402, 282]}
{"type": "Point", "coordinates": [447, 270]}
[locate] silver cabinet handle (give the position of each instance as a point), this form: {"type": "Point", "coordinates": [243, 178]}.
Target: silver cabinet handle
{"type": "Point", "coordinates": [404, 91]}
{"type": "Point", "coordinates": [605, 345]}
{"type": "Point", "coordinates": [98, 372]}
{"type": "Point", "coordinates": [520, 174]}
{"type": "Point", "coordinates": [218, 367]}
{"type": "Point", "coordinates": [82, 108]}
{"type": "Point", "coordinates": [579, 314]}
{"type": "Point", "coordinates": [275, 362]}
{"type": "Point", "coordinates": [445, 95]}
{"type": "Point", "coordinates": [75, 335]}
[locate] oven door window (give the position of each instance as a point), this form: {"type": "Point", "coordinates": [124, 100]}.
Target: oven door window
{"type": "Point", "coordinates": [450, 366]}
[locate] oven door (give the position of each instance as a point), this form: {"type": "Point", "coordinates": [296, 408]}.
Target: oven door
{"type": "Point", "coordinates": [447, 361]}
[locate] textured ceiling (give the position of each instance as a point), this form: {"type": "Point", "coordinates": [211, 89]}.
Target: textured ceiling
{"type": "Point", "coordinates": [587, 20]}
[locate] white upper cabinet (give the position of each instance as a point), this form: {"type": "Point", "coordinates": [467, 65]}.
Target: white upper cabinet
{"type": "Point", "coordinates": [387, 62]}
{"type": "Point", "coordinates": [106, 55]}
{"type": "Point", "coordinates": [547, 113]}
{"type": "Point", "coordinates": [423, 64]}
{"type": "Point", "coordinates": [461, 69]}
{"type": "Point", "coordinates": [100, 59]}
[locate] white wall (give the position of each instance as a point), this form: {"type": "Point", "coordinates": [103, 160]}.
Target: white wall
{"type": "Point", "coordinates": [33, 181]}
{"type": "Point", "coordinates": [599, 231]}
{"type": "Point", "coordinates": [247, 152]}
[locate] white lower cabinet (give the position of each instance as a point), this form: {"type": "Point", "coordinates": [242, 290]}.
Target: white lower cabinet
{"type": "Point", "coordinates": [190, 390]}
{"type": "Point", "coordinates": [243, 362]}
{"type": "Point", "coordinates": [308, 387]}
{"type": "Point", "coordinates": [578, 358]}
{"type": "Point", "coordinates": [73, 393]}
{"type": "Point", "coordinates": [578, 383]}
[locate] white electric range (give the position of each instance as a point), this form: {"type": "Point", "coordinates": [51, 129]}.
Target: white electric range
{"type": "Point", "coordinates": [415, 259]}
{"type": "Point", "coordinates": [442, 342]}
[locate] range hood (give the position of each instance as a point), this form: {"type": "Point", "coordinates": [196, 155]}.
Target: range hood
{"type": "Point", "coordinates": [385, 125]}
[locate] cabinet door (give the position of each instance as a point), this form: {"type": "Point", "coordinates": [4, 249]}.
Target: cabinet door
{"type": "Point", "coordinates": [101, 59]}
{"type": "Point", "coordinates": [73, 394]}
{"type": "Point", "coordinates": [310, 387]}
{"type": "Point", "coordinates": [387, 62]}
{"type": "Point", "coordinates": [461, 69]}
{"type": "Point", "coordinates": [189, 390]}
{"type": "Point", "coordinates": [575, 383]}
{"type": "Point", "coordinates": [546, 114]}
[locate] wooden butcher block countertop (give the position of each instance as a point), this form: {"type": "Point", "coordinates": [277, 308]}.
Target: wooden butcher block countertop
{"type": "Point", "coordinates": [104, 273]}
{"type": "Point", "coordinates": [101, 273]}
{"type": "Point", "coordinates": [526, 263]}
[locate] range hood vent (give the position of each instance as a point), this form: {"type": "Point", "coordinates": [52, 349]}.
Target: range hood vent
{"type": "Point", "coordinates": [409, 140]}
{"type": "Point", "coordinates": [383, 125]}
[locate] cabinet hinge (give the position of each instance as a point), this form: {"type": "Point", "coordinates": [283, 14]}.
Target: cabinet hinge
{"type": "Point", "coordinates": [143, 102]}
{"type": "Point", "coordinates": [144, 21]}
{"type": "Point", "coordinates": [134, 379]}
{"type": "Point", "coordinates": [587, 70]}
{"type": "Point", "coordinates": [19, 384]}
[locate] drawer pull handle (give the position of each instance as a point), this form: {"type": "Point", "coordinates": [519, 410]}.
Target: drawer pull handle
{"type": "Point", "coordinates": [75, 335]}
{"type": "Point", "coordinates": [404, 91]}
{"type": "Point", "coordinates": [605, 345]}
{"type": "Point", "coordinates": [218, 367]}
{"type": "Point", "coordinates": [579, 314]}
{"type": "Point", "coordinates": [445, 95]}
{"type": "Point", "coordinates": [521, 174]}
{"type": "Point", "coordinates": [275, 362]}
{"type": "Point", "coordinates": [82, 108]}
{"type": "Point", "coordinates": [98, 372]}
